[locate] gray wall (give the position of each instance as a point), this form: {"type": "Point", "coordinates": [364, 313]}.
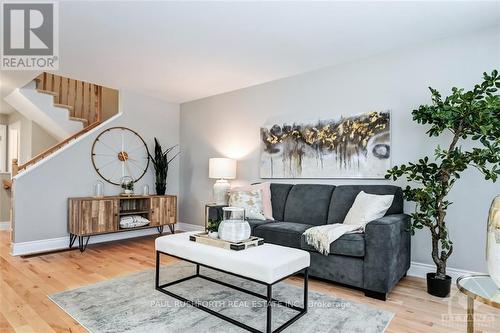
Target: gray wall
{"type": "Point", "coordinates": [34, 138]}
{"type": "Point", "coordinates": [109, 103]}
{"type": "Point", "coordinates": [228, 125]}
{"type": "Point", "coordinates": [48, 186]}
{"type": "Point", "coordinates": [41, 140]}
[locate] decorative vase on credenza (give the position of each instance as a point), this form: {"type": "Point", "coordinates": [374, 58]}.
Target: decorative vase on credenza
{"type": "Point", "coordinates": [493, 241]}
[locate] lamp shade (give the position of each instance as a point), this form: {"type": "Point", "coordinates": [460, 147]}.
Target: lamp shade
{"type": "Point", "coordinates": [222, 168]}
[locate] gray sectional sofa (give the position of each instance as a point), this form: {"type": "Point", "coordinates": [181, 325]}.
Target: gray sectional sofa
{"type": "Point", "coordinates": [373, 261]}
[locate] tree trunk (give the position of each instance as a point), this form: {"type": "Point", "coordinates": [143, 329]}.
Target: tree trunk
{"type": "Point", "coordinates": [441, 269]}
{"type": "Point", "coordinates": [439, 260]}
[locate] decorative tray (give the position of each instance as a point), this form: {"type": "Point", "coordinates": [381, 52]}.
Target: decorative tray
{"type": "Point", "coordinates": [203, 238]}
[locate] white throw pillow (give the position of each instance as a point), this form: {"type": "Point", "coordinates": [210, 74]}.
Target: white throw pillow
{"type": "Point", "coordinates": [251, 201]}
{"type": "Point", "coordinates": [133, 221]}
{"type": "Point", "coordinates": [368, 207]}
{"type": "Point", "coordinates": [267, 207]}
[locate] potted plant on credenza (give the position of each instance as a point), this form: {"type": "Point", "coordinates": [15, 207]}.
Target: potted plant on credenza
{"type": "Point", "coordinates": [161, 162]}
{"type": "Point", "coordinates": [474, 115]}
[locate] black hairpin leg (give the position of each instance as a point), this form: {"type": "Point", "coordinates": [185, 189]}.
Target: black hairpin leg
{"type": "Point", "coordinates": [72, 239]}
{"type": "Point", "coordinates": [81, 244]}
{"type": "Point", "coordinates": [172, 228]}
{"type": "Point", "coordinates": [160, 229]}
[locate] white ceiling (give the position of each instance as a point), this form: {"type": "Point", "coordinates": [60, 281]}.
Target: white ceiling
{"type": "Point", "coordinates": [181, 51]}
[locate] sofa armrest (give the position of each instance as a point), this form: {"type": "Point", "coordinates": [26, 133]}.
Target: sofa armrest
{"type": "Point", "coordinates": [399, 219]}
{"type": "Point", "coordinates": [387, 252]}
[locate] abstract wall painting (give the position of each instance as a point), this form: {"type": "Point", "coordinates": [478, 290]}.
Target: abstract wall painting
{"type": "Point", "coordinates": [350, 147]}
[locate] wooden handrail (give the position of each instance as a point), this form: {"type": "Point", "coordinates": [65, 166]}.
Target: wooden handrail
{"type": "Point", "coordinates": [83, 99]}
{"type": "Point", "coordinates": [16, 168]}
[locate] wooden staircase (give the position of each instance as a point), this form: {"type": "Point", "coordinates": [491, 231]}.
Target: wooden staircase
{"type": "Point", "coordinates": [83, 101]}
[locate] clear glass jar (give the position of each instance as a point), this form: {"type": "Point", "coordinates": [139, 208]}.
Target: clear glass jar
{"type": "Point", "coordinates": [145, 190]}
{"type": "Point", "coordinates": [127, 185]}
{"type": "Point", "coordinates": [233, 214]}
{"type": "Point", "coordinates": [233, 227]}
{"type": "Point", "coordinates": [98, 189]}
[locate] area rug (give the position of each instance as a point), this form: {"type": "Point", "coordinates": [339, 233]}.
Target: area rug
{"type": "Point", "coordinates": [131, 304]}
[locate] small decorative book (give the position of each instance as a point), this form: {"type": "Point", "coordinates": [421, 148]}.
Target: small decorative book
{"type": "Point", "coordinates": [203, 238]}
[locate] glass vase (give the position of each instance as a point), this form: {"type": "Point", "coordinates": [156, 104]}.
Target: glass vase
{"type": "Point", "coordinates": [145, 190]}
{"type": "Point", "coordinates": [233, 227]}
{"type": "Point", "coordinates": [127, 185]}
{"type": "Point", "coordinates": [98, 189]}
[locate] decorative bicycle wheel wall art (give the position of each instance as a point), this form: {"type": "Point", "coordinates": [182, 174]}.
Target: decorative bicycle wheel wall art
{"type": "Point", "coordinates": [120, 152]}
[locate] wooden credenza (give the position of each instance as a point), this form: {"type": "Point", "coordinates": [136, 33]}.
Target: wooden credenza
{"type": "Point", "coordinates": [89, 216]}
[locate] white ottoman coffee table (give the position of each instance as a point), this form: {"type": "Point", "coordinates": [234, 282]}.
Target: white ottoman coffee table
{"type": "Point", "coordinates": [267, 264]}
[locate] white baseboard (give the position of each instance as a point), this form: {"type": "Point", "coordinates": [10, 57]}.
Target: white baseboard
{"type": "Point", "coordinates": [420, 270]}
{"type": "Point", "coordinates": [4, 225]}
{"type": "Point", "coordinates": [44, 245]}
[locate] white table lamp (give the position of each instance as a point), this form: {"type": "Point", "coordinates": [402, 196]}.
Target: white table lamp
{"type": "Point", "coordinates": [221, 169]}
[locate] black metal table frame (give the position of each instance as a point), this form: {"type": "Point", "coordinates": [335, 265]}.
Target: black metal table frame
{"type": "Point", "coordinates": [269, 299]}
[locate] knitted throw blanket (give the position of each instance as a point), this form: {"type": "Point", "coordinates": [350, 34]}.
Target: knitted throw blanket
{"type": "Point", "coordinates": [322, 236]}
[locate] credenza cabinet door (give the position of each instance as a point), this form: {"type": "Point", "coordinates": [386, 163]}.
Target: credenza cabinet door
{"type": "Point", "coordinates": [163, 210]}
{"type": "Point", "coordinates": [96, 216]}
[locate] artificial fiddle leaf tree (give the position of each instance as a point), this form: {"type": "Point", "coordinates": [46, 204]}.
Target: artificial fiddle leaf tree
{"type": "Point", "coordinates": [466, 115]}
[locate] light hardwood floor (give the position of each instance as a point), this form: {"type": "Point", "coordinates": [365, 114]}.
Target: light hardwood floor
{"type": "Point", "coordinates": [26, 282]}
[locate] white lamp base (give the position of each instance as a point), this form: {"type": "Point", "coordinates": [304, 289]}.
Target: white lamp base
{"type": "Point", "coordinates": [221, 191]}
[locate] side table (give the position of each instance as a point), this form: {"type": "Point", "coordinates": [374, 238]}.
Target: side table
{"type": "Point", "coordinates": [213, 211]}
{"type": "Point", "coordinates": [480, 288]}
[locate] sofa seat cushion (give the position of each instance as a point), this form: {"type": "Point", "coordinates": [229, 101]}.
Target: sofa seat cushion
{"type": "Point", "coordinates": [255, 223]}
{"type": "Point", "coordinates": [282, 233]}
{"type": "Point", "coordinates": [347, 245]}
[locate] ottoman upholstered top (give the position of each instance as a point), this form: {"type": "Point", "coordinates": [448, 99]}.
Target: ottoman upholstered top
{"type": "Point", "coordinates": [267, 263]}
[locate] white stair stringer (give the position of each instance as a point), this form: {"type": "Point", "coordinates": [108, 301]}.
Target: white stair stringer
{"type": "Point", "coordinates": [39, 107]}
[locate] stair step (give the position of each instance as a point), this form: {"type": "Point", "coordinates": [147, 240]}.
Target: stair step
{"type": "Point", "coordinates": [84, 121]}
{"type": "Point", "coordinates": [47, 92]}
{"type": "Point", "coordinates": [69, 107]}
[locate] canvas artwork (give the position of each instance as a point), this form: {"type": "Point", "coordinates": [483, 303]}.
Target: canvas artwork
{"type": "Point", "coordinates": [353, 147]}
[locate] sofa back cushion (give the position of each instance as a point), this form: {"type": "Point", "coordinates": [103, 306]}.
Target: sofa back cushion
{"type": "Point", "coordinates": [343, 197]}
{"type": "Point", "coordinates": [279, 193]}
{"type": "Point", "coordinates": [308, 203]}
